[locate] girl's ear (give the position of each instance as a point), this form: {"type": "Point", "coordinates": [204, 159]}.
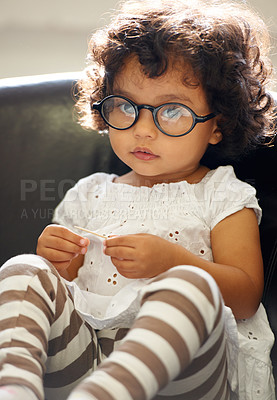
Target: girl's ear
{"type": "Point", "coordinates": [216, 137]}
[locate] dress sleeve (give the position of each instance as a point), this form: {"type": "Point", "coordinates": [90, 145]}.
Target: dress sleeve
{"type": "Point", "coordinates": [226, 195]}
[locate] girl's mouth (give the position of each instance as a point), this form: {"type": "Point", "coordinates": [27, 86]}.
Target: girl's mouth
{"type": "Point", "coordinates": [144, 154]}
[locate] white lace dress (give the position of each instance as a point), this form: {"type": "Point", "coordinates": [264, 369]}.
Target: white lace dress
{"type": "Point", "coordinates": [182, 213]}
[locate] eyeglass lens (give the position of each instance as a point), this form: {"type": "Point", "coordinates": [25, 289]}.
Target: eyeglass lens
{"type": "Point", "coordinates": [172, 118]}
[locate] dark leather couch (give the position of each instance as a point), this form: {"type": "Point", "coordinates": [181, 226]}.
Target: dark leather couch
{"type": "Point", "coordinates": [44, 152]}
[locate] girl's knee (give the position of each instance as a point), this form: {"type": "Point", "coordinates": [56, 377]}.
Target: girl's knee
{"type": "Point", "coordinates": [23, 272]}
{"type": "Point", "coordinates": [27, 264]}
{"type": "Point", "coordinates": [189, 283]}
{"type": "Point", "coordinates": [190, 275]}
{"type": "Point", "coordinates": [28, 283]}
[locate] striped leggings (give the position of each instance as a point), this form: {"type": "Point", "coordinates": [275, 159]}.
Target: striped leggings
{"type": "Point", "coordinates": [174, 350]}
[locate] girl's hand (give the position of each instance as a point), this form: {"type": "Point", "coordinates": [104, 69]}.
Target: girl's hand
{"type": "Point", "coordinates": [140, 255]}
{"type": "Point", "coordinates": [60, 246]}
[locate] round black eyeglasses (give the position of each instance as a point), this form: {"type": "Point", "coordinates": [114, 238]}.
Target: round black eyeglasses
{"type": "Point", "coordinates": [172, 119]}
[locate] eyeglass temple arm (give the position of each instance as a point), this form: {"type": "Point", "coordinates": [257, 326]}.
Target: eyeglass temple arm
{"type": "Point", "coordinates": [205, 118]}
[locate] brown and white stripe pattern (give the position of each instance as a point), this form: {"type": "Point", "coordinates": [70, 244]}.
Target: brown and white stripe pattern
{"type": "Point", "coordinates": [44, 343]}
{"type": "Point", "coordinates": [176, 343]}
{"type": "Point", "coordinates": [176, 346]}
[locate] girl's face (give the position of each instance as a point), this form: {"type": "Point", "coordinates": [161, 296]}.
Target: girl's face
{"type": "Point", "coordinates": [153, 156]}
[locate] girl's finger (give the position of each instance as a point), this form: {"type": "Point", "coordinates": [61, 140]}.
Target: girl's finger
{"type": "Point", "coordinates": [58, 243]}
{"type": "Point", "coordinates": [65, 233]}
{"type": "Point", "coordinates": [120, 252]}
{"type": "Point", "coordinates": [57, 255]}
{"type": "Point", "coordinates": [121, 240]}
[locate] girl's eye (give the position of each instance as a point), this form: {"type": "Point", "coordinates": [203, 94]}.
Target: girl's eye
{"type": "Point", "coordinates": [173, 112]}
{"type": "Point", "coordinates": [127, 109]}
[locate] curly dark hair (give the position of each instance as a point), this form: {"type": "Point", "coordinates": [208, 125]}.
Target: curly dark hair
{"type": "Point", "coordinates": [225, 43]}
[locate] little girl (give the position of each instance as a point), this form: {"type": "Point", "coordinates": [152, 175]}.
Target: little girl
{"type": "Point", "coordinates": [163, 299]}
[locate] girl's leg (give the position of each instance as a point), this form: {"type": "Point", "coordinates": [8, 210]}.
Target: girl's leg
{"type": "Point", "coordinates": [176, 344]}
{"type": "Point", "coordinates": [43, 340]}
{"type": "Point", "coordinates": [12, 392]}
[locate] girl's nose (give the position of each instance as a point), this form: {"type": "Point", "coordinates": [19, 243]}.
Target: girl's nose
{"type": "Point", "coordinates": [145, 125]}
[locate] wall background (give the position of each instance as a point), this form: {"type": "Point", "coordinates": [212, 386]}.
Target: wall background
{"type": "Point", "coordinates": [39, 37]}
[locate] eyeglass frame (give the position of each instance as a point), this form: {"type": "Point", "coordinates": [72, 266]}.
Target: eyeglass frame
{"type": "Point", "coordinates": [154, 110]}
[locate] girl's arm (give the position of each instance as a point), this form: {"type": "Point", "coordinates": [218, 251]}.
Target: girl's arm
{"type": "Point", "coordinates": [238, 264]}
{"type": "Point", "coordinates": [236, 243]}
{"type": "Point", "coordinates": [237, 267]}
